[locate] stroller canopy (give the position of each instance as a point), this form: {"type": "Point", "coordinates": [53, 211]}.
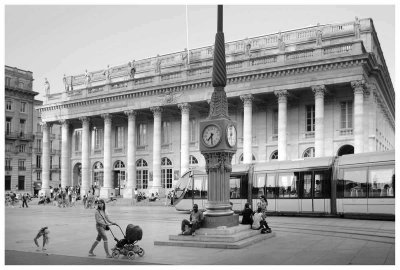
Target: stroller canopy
{"type": "Point", "coordinates": [133, 233]}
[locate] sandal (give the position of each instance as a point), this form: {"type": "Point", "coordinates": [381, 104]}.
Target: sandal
{"type": "Point", "coordinates": [108, 256]}
{"type": "Point", "coordinates": [92, 255]}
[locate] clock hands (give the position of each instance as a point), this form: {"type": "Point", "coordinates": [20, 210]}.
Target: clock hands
{"type": "Point", "coordinates": [211, 138]}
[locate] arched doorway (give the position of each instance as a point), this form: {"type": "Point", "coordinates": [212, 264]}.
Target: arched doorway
{"type": "Point", "coordinates": [345, 150]}
{"type": "Point", "coordinates": [119, 176]}
{"type": "Point", "coordinates": [77, 174]}
{"type": "Point", "coordinates": [98, 174]}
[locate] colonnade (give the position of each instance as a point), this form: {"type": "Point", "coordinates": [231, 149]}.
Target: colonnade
{"type": "Point", "coordinates": [282, 99]}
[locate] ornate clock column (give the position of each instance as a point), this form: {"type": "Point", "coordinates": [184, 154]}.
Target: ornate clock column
{"type": "Point", "coordinates": [218, 142]}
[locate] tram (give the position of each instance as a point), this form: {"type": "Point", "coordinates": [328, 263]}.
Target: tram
{"type": "Point", "coordinates": [360, 185]}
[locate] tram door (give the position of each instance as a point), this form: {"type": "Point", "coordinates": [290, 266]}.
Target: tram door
{"type": "Point", "coordinates": [306, 192]}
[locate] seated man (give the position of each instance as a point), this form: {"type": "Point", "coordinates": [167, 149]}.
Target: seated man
{"type": "Point", "coordinates": [196, 220]}
{"type": "Point", "coordinates": [152, 198]}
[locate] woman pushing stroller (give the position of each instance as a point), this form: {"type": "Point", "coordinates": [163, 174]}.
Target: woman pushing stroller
{"type": "Point", "coordinates": [102, 223]}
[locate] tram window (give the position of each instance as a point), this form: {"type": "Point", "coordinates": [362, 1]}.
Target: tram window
{"type": "Point", "coordinates": [381, 182]}
{"type": "Point", "coordinates": [270, 186]}
{"type": "Point", "coordinates": [235, 188]}
{"type": "Point", "coordinates": [189, 192]}
{"type": "Point", "coordinates": [204, 188]}
{"type": "Point", "coordinates": [305, 182]}
{"type": "Point", "coordinates": [322, 188]}
{"type": "Point", "coordinates": [197, 188]}
{"type": "Point", "coordinates": [287, 183]}
{"type": "Point", "coordinates": [258, 186]}
{"type": "Point", "coordinates": [352, 183]}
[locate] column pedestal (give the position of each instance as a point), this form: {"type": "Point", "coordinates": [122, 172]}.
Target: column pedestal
{"type": "Point", "coordinates": [129, 193]}
{"type": "Point", "coordinates": [106, 192]}
{"type": "Point", "coordinates": [217, 221]}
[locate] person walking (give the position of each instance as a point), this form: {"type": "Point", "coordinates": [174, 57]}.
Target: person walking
{"type": "Point", "coordinates": [45, 233]}
{"type": "Point", "coordinates": [24, 200]}
{"type": "Point", "coordinates": [102, 223]}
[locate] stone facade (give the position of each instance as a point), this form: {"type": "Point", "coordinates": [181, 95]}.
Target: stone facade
{"type": "Point", "coordinates": [293, 96]}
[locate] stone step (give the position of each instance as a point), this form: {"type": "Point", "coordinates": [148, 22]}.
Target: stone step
{"type": "Point", "coordinates": [224, 245]}
{"type": "Point", "coordinates": [216, 238]}
{"type": "Point", "coordinates": [222, 230]}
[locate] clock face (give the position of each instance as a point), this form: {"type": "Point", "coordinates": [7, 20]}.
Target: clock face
{"type": "Point", "coordinates": [211, 135]}
{"type": "Point", "coordinates": [231, 135]}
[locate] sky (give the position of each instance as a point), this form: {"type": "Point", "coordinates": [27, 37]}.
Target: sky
{"type": "Point", "coordinates": [55, 40]}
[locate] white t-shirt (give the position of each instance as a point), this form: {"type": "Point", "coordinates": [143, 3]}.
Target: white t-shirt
{"type": "Point", "coordinates": [256, 221]}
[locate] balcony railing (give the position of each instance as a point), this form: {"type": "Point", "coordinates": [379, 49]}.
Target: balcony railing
{"type": "Point", "coordinates": [8, 168]}
{"type": "Point", "coordinates": [19, 135]}
{"type": "Point", "coordinates": [345, 131]}
{"type": "Point", "coordinates": [55, 152]}
{"type": "Point", "coordinates": [37, 150]}
{"type": "Point", "coordinates": [21, 168]}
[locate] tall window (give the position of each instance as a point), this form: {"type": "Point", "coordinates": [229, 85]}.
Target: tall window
{"type": "Point", "coordinates": [22, 126]}
{"type": "Point", "coordinates": [119, 137]}
{"type": "Point", "coordinates": [192, 130]}
{"type": "Point", "coordinates": [8, 125]}
{"type": "Point", "coordinates": [193, 160]}
{"type": "Point", "coordinates": [21, 182]}
{"type": "Point", "coordinates": [346, 114]}
{"type": "Point", "coordinates": [166, 173]}
{"type": "Point", "coordinates": [9, 147]}
{"type": "Point", "coordinates": [142, 174]}
{"type": "Point", "coordinates": [38, 175]}
{"type": "Point", "coordinates": [310, 118]}
{"type": "Point", "coordinates": [8, 164]}
{"type": "Point", "coordinates": [21, 148]}
{"type": "Point", "coordinates": [39, 143]}
{"type": "Point", "coordinates": [166, 132]}
{"type": "Point", "coordinates": [21, 85]}
{"type": "Point", "coordinates": [38, 161]}
{"type": "Point", "coordinates": [275, 121]}
{"type": "Point", "coordinates": [8, 105]}
{"type": "Point", "coordinates": [23, 107]}
{"type": "Point", "coordinates": [78, 140]}
{"type": "Point", "coordinates": [98, 174]}
{"type": "Point", "coordinates": [21, 165]}
{"type": "Point", "coordinates": [142, 135]}
{"type": "Point", "coordinates": [98, 138]}
{"type": "Point", "coordinates": [8, 81]}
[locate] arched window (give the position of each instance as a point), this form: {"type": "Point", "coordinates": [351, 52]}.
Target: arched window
{"type": "Point", "coordinates": [345, 150]}
{"type": "Point", "coordinates": [142, 174]}
{"type": "Point", "coordinates": [241, 158]}
{"type": "Point", "coordinates": [193, 160]}
{"type": "Point", "coordinates": [166, 173]}
{"type": "Point", "coordinates": [98, 174]}
{"type": "Point", "coordinates": [309, 152]}
{"type": "Point", "coordinates": [274, 155]}
{"type": "Point", "coordinates": [119, 168]}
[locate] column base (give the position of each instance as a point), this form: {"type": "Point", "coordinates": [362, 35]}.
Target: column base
{"type": "Point", "coordinates": [106, 193]}
{"type": "Point", "coordinates": [85, 190]}
{"type": "Point", "coordinates": [129, 193]}
{"type": "Point", "coordinates": [218, 221]}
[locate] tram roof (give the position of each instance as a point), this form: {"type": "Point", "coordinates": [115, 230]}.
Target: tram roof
{"type": "Point", "coordinates": [300, 164]}
{"type": "Point", "coordinates": [364, 158]}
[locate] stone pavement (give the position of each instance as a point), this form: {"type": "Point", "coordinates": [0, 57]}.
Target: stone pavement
{"type": "Point", "coordinates": [297, 241]}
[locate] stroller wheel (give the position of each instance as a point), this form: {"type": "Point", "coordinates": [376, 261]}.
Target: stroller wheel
{"type": "Point", "coordinates": [131, 255]}
{"type": "Point", "coordinates": [141, 252]}
{"type": "Point", "coordinates": [115, 254]}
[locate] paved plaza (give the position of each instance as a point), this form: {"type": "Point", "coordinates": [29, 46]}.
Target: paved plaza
{"type": "Point", "coordinates": [298, 240]}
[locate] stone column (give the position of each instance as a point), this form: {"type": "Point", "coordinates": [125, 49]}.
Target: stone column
{"type": "Point", "coordinates": [319, 93]}
{"type": "Point", "coordinates": [46, 159]}
{"type": "Point", "coordinates": [185, 108]}
{"type": "Point", "coordinates": [131, 177]}
{"type": "Point", "coordinates": [359, 89]}
{"type": "Point", "coordinates": [373, 101]}
{"type": "Point", "coordinates": [107, 188]}
{"type": "Point", "coordinates": [247, 128]}
{"type": "Point", "coordinates": [66, 179]}
{"type": "Point", "coordinates": [85, 155]}
{"type": "Point", "coordinates": [282, 123]}
{"type": "Point", "coordinates": [157, 152]}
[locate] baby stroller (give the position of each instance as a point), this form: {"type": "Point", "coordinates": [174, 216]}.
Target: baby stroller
{"type": "Point", "coordinates": [128, 246]}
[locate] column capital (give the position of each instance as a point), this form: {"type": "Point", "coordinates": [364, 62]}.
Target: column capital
{"type": "Point", "coordinates": [64, 122]}
{"type": "Point", "coordinates": [359, 87]}
{"type": "Point", "coordinates": [281, 95]}
{"type": "Point", "coordinates": [319, 90]}
{"type": "Point", "coordinates": [85, 120]}
{"type": "Point", "coordinates": [156, 111]}
{"type": "Point", "coordinates": [184, 107]}
{"type": "Point", "coordinates": [131, 114]}
{"type": "Point", "coordinates": [247, 99]}
{"type": "Point", "coordinates": [45, 125]}
{"type": "Point", "coordinates": [107, 118]}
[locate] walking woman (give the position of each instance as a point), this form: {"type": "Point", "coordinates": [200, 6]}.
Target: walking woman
{"type": "Point", "coordinates": [102, 223]}
{"type": "Point", "coordinates": [263, 203]}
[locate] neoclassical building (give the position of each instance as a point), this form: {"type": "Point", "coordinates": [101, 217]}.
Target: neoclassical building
{"type": "Point", "coordinates": [317, 91]}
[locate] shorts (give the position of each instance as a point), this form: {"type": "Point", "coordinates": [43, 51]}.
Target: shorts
{"type": "Point", "coordinates": [101, 233]}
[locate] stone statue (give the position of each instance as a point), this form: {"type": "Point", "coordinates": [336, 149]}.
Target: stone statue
{"type": "Point", "coordinates": [107, 73]}
{"type": "Point", "coordinates": [46, 87]}
{"type": "Point", "coordinates": [65, 83]}
{"type": "Point", "coordinates": [247, 47]}
{"type": "Point", "coordinates": [357, 27]}
{"type": "Point", "coordinates": [185, 57]}
{"type": "Point", "coordinates": [281, 43]}
{"type": "Point", "coordinates": [318, 35]}
{"type": "Point", "coordinates": [87, 78]}
{"type": "Point", "coordinates": [133, 69]}
{"type": "Point", "coordinates": [158, 64]}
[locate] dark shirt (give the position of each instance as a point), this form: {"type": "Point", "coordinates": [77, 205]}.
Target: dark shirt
{"type": "Point", "coordinates": [247, 216]}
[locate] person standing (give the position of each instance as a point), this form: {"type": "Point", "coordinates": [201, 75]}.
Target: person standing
{"type": "Point", "coordinates": [263, 203]}
{"type": "Point", "coordinates": [102, 223]}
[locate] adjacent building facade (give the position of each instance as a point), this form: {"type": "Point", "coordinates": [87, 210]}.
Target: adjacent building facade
{"type": "Point", "coordinates": [318, 91]}
{"type": "Point", "coordinates": [23, 136]}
